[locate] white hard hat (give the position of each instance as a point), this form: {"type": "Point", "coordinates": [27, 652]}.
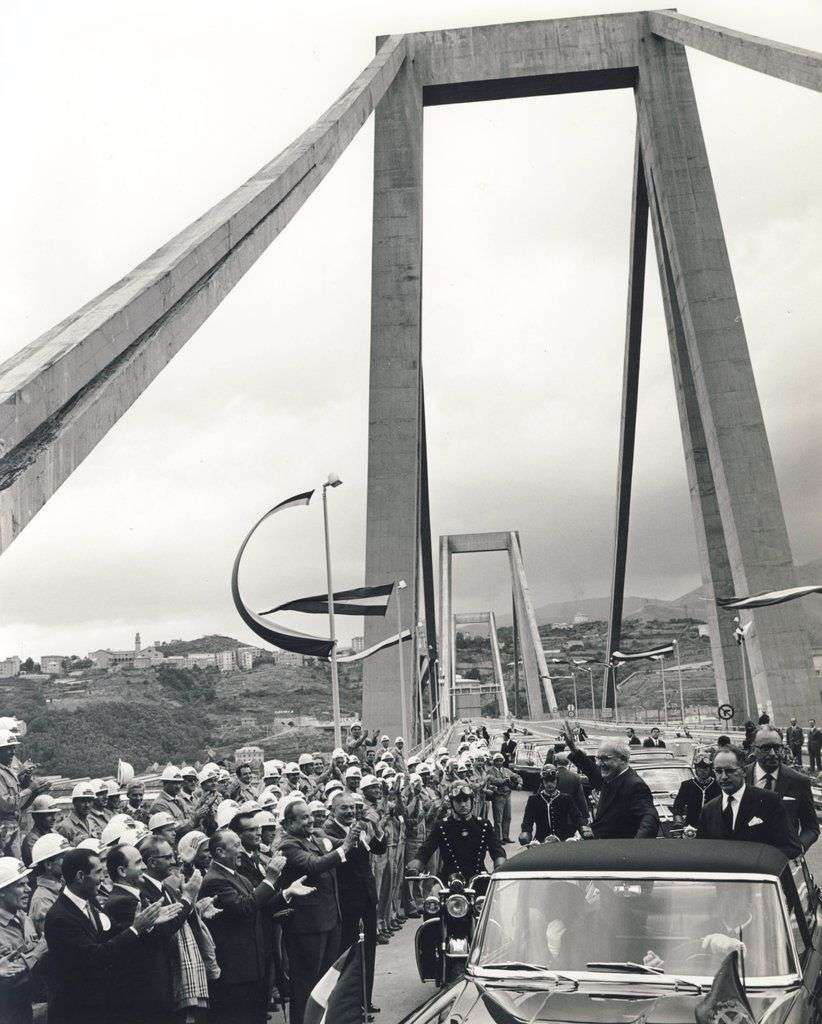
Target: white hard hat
{"type": "Point", "coordinates": [171, 773]}
{"type": "Point", "coordinates": [292, 768]}
{"type": "Point", "coordinates": [125, 773]}
{"type": "Point", "coordinates": [224, 775]}
{"type": "Point", "coordinates": [8, 739]}
{"type": "Point", "coordinates": [317, 805]}
{"type": "Point", "coordinates": [337, 752]}
{"type": "Point", "coordinates": [83, 790]}
{"type": "Point", "coordinates": [91, 843]}
{"type": "Point", "coordinates": [442, 750]}
{"type": "Point", "coordinates": [369, 780]}
{"type": "Point", "coordinates": [270, 769]}
{"type": "Point", "coordinates": [98, 786]}
{"type": "Point", "coordinates": [289, 798]}
{"type": "Point", "coordinates": [353, 759]}
{"type": "Point", "coordinates": [331, 785]}
{"type": "Point", "coordinates": [189, 844]}
{"type": "Point", "coordinates": [389, 772]}
{"type": "Point", "coordinates": [209, 773]}
{"type": "Point", "coordinates": [305, 759]}
{"type": "Point", "coordinates": [43, 804]}
{"type": "Point", "coordinates": [385, 738]}
{"type": "Point", "coordinates": [399, 739]}
{"type": "Point", "coordinates": [11, 871]}
{"type": "Point", "coordinates": [52, 844]}
{"type": "Point", "coordinates": [269, 797]}
{"type": "Point", "coordinates": [379, 767]}
{"type": "Point", "coordinates": [126, 831]}
{"type": "Point", "coordinates": [413, 760]}
{"type": "Point", "coordinates": [265, 819]}
{"type": "Point", "coordinates": [413, 777]}
{"type": "Point", "coordinates": [353, 772]}
{"type": "Point", "coordinates": [189, 772]}
{"type": "Point", "coordinates": [279, 765]}
{"type": "Point", "coordinates": [160, 820]}
{"type": "Point", "coordinates": [112, 787]}
{"type": "Point", "coordinates": [249, 807]}
{"type": "Point", "coordinates": [425, 767]}
{"type": "Point", "coordinates": [226, 812]}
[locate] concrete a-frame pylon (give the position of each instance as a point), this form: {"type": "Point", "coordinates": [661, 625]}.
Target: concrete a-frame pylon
{"type": "Point", "coordinates": [537, 677]}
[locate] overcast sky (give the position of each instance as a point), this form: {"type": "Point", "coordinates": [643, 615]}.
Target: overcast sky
{"type": "Point", "coordinates": [124, 122]}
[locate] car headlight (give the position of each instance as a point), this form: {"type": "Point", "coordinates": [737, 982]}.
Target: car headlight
{"type": "Point", "coordinates": [457, 905]}
{"type": "Point", "coordinates": [431, 905]}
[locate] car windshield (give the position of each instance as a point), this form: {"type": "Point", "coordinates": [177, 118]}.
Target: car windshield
{"type": "Point", "coordinates": [665, 779]}
{"type": "Point", "coordinates": [683, 927]}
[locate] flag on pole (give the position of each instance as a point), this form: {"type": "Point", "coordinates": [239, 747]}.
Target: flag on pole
{"type": "Point", "coordinates": [278, 636]}
{"type": "Point", "coordinates": [741, 632]}
{"type": "Point", "coordinates": [338, 996]}
{"type": "Point", "coordinates": [383, 645]}
{"type": "Point", "coordinates": [766, 600]}
{"type": "Point", "coordinates": [359, 601]}
{"type": "Point", "coordinates": [618, 657]}
{"type": "Point", "coordinates": [726, 1003]}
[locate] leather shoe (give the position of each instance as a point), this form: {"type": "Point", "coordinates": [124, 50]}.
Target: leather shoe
{"type": "Point", "coordinates": [373, 1009]}
{"type": "Point", "coordinates": [382, 939]}
{"type": "Point", "coordinates": [414, 913]}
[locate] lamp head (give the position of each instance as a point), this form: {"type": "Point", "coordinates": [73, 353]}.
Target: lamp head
{"type": "Point", "coordinates": [401, 585]}
{"type": "Point", "coordinates": [332, 481]}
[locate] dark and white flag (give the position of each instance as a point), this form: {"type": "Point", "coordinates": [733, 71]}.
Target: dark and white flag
{"type": "Point", "coordinates": [772, 597]}
{"type": "Point", "coordinates": [359, 601]}
{"type": "Point", "coordinates": [618, 657]}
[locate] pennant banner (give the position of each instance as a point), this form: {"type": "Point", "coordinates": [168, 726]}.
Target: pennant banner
{"type": "Point", "coordinates": [278, 636]}
{"type": "Point", "coordinates": [618, 657]}
{"type": "Point", "coordinates": [741, 632]}
{"type": "Point", "coordinates": [360, 601]}
{"type": "Point", "coordinates": [383, 645]}
{"type": "Point", "coordinates": [726, 1003]}
{"type": "Point", "coordinates": [772, 597]}
{"type": "Point", "coordinates": [337, 998]}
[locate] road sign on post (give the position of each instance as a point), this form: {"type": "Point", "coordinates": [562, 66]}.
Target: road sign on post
{"type": "Point", "coordinates": [725, 712]}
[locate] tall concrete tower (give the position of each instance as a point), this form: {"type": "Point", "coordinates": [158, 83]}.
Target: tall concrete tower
{"type": "Point", "coordinates": [136, 643]}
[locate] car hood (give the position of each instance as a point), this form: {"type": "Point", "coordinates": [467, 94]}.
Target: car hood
{"type": "Point", "coordinates": [481, 1003]}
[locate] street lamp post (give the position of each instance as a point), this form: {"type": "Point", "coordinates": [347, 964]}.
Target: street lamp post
{"type": "Point", "coordinates": [664, 691]}
{"type": "Point", "coordinates": [593, 705]}
{"type": "Point", "coordinates": [576, 700]}
{"type": "Point", "coordinates": [679, 673]}
{"type": "Point", "coordinates": [332, 481]}
{"type": "Point", "coordinates": [419, 682]}
{"type": "Point", "coordinates": [401, 585]}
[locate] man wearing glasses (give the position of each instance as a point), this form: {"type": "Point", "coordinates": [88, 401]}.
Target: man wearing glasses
{"type": "Point", "coordinates": [625, 809]}
{"type": "Point", "coordinates": [745, 813]}
{"type": "Point", "coordinates": [462, 840]}
{"type": "Point", "coordinates": [792, 786]}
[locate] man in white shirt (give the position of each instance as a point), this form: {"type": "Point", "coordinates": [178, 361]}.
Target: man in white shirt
{"type": "Point", "coordinates": [791, 786]}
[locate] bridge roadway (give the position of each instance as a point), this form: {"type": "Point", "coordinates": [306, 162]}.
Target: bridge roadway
{"type": "Point", "coordinates": [397, 987]}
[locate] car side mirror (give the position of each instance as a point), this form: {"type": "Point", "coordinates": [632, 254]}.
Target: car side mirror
{"type": "Point", "coordinates": [479, 903]}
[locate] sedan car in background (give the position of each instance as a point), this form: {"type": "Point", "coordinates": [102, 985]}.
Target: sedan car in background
{"type": "Point", "coordinates": [635, 930]}
{"type": "Point", "coordinates": [664, 777]}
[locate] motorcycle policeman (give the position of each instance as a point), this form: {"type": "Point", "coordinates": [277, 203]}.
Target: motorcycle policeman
{"type": "Point", "coordinates": [550, 816]}
{"type": "Point", "coordinates": [462, 840]}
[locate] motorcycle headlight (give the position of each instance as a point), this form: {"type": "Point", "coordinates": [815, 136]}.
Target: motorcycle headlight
{"type": "Point", "coordinates": [457, 905]}
{"type": "Point", "coordinates": [431, 905]}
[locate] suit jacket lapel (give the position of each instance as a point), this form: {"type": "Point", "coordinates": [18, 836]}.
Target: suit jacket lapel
{"type": "Point", "coordinates": [744, 815]}
{"type": "Point", "coordinates": [74, 909]}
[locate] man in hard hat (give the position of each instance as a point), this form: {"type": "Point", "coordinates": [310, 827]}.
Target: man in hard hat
{"type": "Point", "coordinates": [164, 826]}
{"type": "Point", "coordinates": [99, 811]}
{"type": "Point", "coordinates": [352, 779]}
{"type": "Point", "coordinates": [186, 795]}
{"type": "Point", "coordinates": [499, 782]}
{"type": "Point", "coordinates": [13, 799]}
{"type": "Point", "coordinates": [78, 824]}
{"type": "Point", "coordinates": [204, 810]}
{"type": "Point", "coordinates": [47, 859]}
{"type": "Point", "coordinates": [399, 754]}
{"type": "Point", "coordinates": [114, 801]}
{"type": "Point", "coordinates": [43, 811]}
{"type": "Point", "coordinates": [247, 828]}
{"type": "Point", "coordinates": [20, 946]}
{"type": "Point", "coordinates": [171, 780]}
{"type": "Point", "coordinates": [358, 739]}
{"type": "Point", "coordinates": [136, 794]}
{"type": "Point", "coordinates": [83, 947]}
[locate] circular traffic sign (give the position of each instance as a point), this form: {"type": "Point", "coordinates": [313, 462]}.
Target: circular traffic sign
{"type": "Point", "coordinates": [725, 711]}
{"type": "Point", "coordinates": [571, 713]}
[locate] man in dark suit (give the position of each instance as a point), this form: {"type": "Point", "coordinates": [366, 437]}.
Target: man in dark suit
{"type": "Point", "coordinates": [144, 981]}
{"type": "Point", "coordinates": [632, 739]}
{"type": "Point", "coordinates": [768, 772]}
{"type": "Point", "coordinates": [795, 739]}
{"type": "Point", "coordinates": [312, 937]}
{"type": "Point", "coordinates": [570, 783]}
{"type": "Point", "coordinates": [814, 746]}
{"type": "Point", "coordinates": [508, 748]}
{"type": "Point", "coordinates": [355, 883]}
{"type": "Point", "coordinates": [654, 740]}
{"type": "Point", "coordinates": [83, 948]}
{"type": "Point", "coordinates": [743, 812]}
{"type": "Point", "coordinates": [240, 994]}
{"type": "Point", "coordinates": [625, 809]}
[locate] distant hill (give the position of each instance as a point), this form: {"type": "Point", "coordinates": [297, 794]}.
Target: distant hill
{"type": "Point", "coordinates": [203, 645]}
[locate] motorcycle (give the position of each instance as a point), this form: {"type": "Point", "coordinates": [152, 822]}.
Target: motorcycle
{"type": "Point", "coordinates": [443, 940]}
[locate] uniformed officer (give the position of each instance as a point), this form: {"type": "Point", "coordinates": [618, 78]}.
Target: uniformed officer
{"type": "Point", "coordinates": [13, 799]}
{"type": "Point", "coordinates": [696, 792]}
{"type": "Point", "coordinates": [550, 816]}
{"type": "Point", "coordinates": [463, 841]}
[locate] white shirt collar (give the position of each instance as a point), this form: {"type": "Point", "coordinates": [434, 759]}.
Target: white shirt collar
{"type": "Point", "coordinates": [760, 773]}
{"type": "Point", "coordinates": [78, 901]}
{"type": "Point", "coordinates": [736, 796]}
{"type": "Point", "coordinates": [225, 867]}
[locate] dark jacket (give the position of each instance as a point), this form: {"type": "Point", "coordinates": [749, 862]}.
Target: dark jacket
{"type": "Point", "coordinates": [814, 740]}
{"type": "Point", "coordinates": [80, 961]}
{"type": "Point", "coordinates": [570, 783]}
{"type": "Point", "coordinates": [251, 869]}
{"type": "Point", "coordinates": [319, 912]}
{"type": "Point", "coordinates": [241, 938]}
{"type": "Point", "coordinates": [355, 879]}
{"type": "Point", "coordinates": [626, 807]}
{"type": "Point", "coordinates": [692, 797]}
{"type": "Point", "coordinates": [794, 737]}
{"type": "Point", "coordinates": [463, 845]}
{"type": "Point", "coordinates": [558, 816]}
{"type": "Point", "coordinates": [797, 799]}
{"type": "Point", "coordinates": [764, 809]}
{"type": "Point", "coordinates": [648, 742]}
{"type": "Point", "coordinates": [143, 981]}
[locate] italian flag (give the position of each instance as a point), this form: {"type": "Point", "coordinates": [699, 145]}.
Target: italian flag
{"type": "Point", "coordinates": [337, 998]}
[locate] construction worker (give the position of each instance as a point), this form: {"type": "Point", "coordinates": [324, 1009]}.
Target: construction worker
{"type": "Point", "coordinates": [187, 790]}
{"type": "Point", "coordinates": [500, 782]}
{"type": "Point", "coordinates": [171, 780]}
{"type": "Point", "coordinates": [13, 799]}
{"type": "Point", "coordinates": [43, 811]}
{"type": "Point", "coordinates": [136, 794]}
{"type": "Point", "coordinates": [79, 824]}
{"type": "Point", "coordinates": [47, 863]}
{"type": "Point", "coordinates": [98, 806]}
{"type": "Point", "coordinates": [20, 945]}
{"type": "Point", "coordinates": [244, 787]}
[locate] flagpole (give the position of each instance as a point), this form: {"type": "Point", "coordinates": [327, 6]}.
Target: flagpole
{"type": "Point", "coordinates": [741, 636]}
{"type": "Point", "coordinates": [681, 693]}
{"type": "Point", "coordinates": [401, 585]}
{"type": "Point", "coordinates": [332, 481]}
{"type": "Point", "coordinates": [361, 941]}
{"type": "Point", "coordinates": [419, 681]}
{"type": "Point", "coordinates": [664, 692]}
{"type": "Point", "coordinates": [593, 705]}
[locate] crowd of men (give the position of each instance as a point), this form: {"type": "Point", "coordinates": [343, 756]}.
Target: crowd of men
{"type": "Point", "coordinates": [225, 895]}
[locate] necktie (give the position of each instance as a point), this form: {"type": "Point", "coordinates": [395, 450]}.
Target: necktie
{"type": "Point", "coordinates": [769, 782]}
{"type": "Point", "coordinates": [728, 814]}
{"type": "Point", "coordinates": [95, 924]}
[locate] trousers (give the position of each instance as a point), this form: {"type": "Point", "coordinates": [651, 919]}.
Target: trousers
{"type": "Point", "coordinates": [238, 1003]}
{"type": "Point", "coordinates": [310, 954]}
{"type": "Point", "coordinates": [501, 809]}
{"type": "Point", "coordinates": [350, 933]}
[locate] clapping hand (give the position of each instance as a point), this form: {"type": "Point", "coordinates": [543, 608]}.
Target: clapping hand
{"type": "Point", "coordinates": [191, 888]}
{"type": "Point", "coordinates": [144, 920]}
{"type": "Point", "coordinates": [207, 909]}
{"type": "Point", "coordinates": [169, 912]}
{"type": "Point", "coordinates": [274, 867]}
{"type": "Point", "coordinates": [298, 888]}
{"type": "Point", "coordinates": [11, 968]}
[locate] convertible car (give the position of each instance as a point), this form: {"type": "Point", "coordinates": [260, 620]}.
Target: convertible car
{"type": "Point", "coordinates": [635, 930]}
